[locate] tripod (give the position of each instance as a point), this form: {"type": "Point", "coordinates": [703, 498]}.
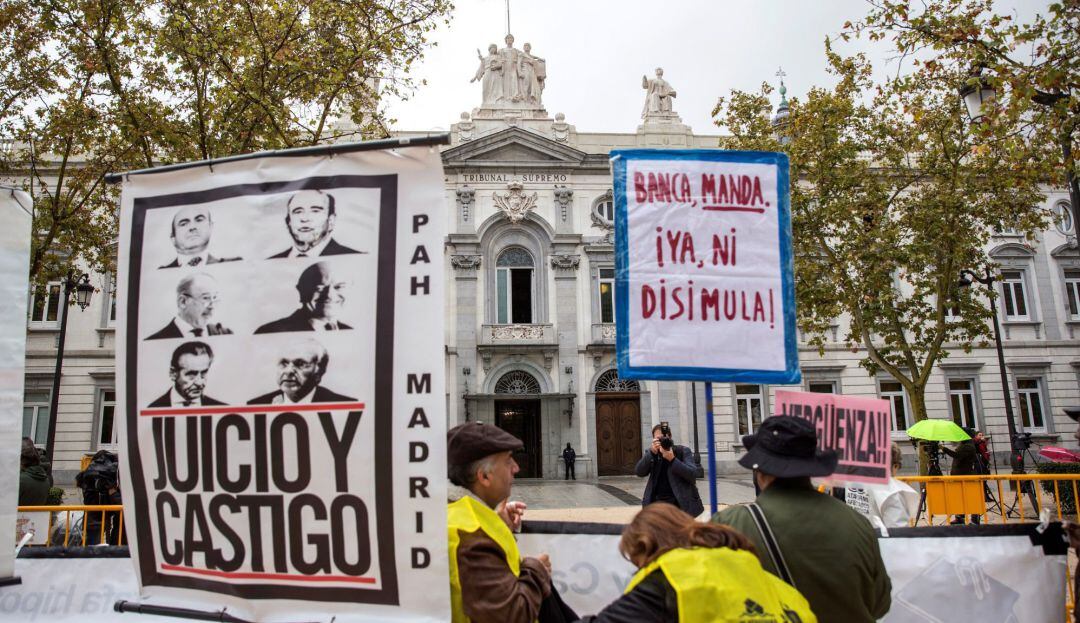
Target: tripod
{"type": "Point", "coordinates": [1022, 447]}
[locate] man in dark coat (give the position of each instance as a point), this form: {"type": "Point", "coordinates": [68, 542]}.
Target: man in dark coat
{"type": "Point", "coordinates": [190, 236]}
{"type": "Point", "coordinates": [672, 472]}
{"type": "Point", "coordinates": [300, 370]}
{"type": "Point", "coordinates": [188, 370]}
{"type": "Point", "coordinates": [310, 217]}
{"type": "Point", "coordinates": [196, 297]}
{"type": "Point", "coordinates": [322, 295]}
{"type": "Point", "coordinates": [568, 457]}
{"type": "Point", "coordinates": [34, 481]}
{"type": "Point", "coordinates": [964, 462]}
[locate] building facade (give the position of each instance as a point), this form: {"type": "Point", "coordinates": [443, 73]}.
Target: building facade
{"type": "Point", "coordinates": [530, 309]}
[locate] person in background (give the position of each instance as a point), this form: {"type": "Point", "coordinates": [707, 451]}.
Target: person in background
{"type": "Point", "coordinates": [694, 571]}
{"type": "Point", "coordinates": [965, 460]}
{"type": "Point", "coordinates": [829, 551]}
{"type": "Point", "coordinates": [671, 471]}
{"type": "Point", "coordinates": [34, 479]}
{"type": "Point", "coordinates": [568, 457]}
{"type": "Point", "coordinates": [982, 465]}
{"type": "Point", "coordinates": [890, 505]}
{"type": "Point", "coordinates": [1071, 528]}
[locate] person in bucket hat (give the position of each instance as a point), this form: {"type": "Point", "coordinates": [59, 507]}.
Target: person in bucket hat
{"type": "Point", "coordinates": [821, 546]}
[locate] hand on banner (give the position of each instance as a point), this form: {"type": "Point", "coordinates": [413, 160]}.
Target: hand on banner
{"type": "Point", "coordinates": [511, 513]}
{"type": "Point", "coordinates": [655, 447]}
{"type": "Point", "coordinates": [1073, 531]}
{"type": "Point", "coordinates": [668, 454]}
{"type": "Point", "coordinates": [546, 561]}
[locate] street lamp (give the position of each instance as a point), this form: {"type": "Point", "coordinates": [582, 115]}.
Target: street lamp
{"type": "Point", "coordinates": [80, 285]}
{"type": "Point", "coordinates": [968, 277]}
{"type": "Point", "coordinates": [979, 94]}
{"type": "Point", "coordinates": [465, 394]}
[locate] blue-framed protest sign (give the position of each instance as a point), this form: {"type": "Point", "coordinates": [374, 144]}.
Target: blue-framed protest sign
{"type": "Point", "coordinates": [704, 273]}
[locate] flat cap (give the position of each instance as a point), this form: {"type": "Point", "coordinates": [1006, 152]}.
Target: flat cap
{"type": "Point", "coordinates": [472, 441]}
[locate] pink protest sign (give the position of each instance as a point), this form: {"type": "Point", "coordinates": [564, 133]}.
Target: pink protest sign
{"type": "Point", "coordinates": [856, 427]}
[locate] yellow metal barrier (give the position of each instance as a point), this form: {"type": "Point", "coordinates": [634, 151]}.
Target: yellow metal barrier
{"type": "Point", "coordinates": [88, 512]}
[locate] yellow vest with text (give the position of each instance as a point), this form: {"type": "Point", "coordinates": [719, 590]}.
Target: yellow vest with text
{"type": "Point", "coordinates": [722, 584]}
{"type": "Point", "coordinates": [470, 515]}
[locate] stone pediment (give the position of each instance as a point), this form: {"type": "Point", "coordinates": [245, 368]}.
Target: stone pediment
{"type": "Point", "coordinates": [514, 146]}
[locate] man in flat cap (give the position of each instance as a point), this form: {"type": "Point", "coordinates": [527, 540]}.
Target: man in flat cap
{"type": "Point", "coordinates": [835, 551]}
{"type": "Point", "coordinates": [489, 580]}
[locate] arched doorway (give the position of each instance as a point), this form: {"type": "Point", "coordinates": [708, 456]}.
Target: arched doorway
{"type": "Point", "coordinates": [618, 425]}
{"type": "Point", "coordinates": [517, 411]}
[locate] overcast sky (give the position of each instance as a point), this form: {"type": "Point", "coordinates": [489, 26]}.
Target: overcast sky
{"type": "Point", "coordinates": [597, 51]}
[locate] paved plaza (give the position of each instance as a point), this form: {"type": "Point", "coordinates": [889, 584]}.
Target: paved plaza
{"type": "Point", "coordinates": [613, 499]}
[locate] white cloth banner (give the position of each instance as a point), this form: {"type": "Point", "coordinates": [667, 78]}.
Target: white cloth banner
{"type": "Point", "coordinates": [705, 287]}
{"type": "Point", "coordinates": [996, 578]}
{"type": "Point", "coordinates": [985, 579]}
{"type": "Point", "coordinates": [280, 376]}
{"type": "Point", "coordinates": [15, 207]}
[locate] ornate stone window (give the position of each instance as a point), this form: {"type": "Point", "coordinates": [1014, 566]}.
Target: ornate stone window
{"type": "Point", "coordinates": [610, 382]}
{"type": "Point", "coordinates": [514, 286]}
{"type": "Point", "coordinates": [603, 211]}
{"type": "Point", "coordinates": [518, 383]}
{"type": "Point", "coordinates": [1063, 218]}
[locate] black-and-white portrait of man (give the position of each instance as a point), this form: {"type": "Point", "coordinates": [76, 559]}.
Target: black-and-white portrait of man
{"type": "Point", "coordinates": [196, 296]}
{"type": "Point", "coordinates": [322, 297]}
{"type": "Point", "coordinates": [310, 218]}
{"type": "Point", "coordinates": [300, 370]}
{"type": "Point", "coordinates": [188, 369]}
{"type": "Point", "coordinates": [191, 229]}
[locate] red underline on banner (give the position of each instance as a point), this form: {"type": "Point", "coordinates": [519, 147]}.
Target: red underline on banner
{"type": "Point", "coordinates": [315, 406]}
{"type": "Point", "coordinates": [249, 575]}
{"type": "Point", "coordinates": [733, 209]}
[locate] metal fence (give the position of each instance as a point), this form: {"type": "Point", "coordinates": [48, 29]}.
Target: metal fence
{"type": "Point", "coordinates": [76, 521]}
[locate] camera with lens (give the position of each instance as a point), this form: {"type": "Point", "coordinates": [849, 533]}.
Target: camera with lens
{"type": "Point", "coordinates": [665, 436]}
{"type": "Point", "coordinates": [1023, 441]}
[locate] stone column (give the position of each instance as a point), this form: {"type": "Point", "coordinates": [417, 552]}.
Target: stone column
{"type": "Point", "coordinates": [565, 267]}
{"type": "Point", "coordinates": [564, 209]}
{"type": "Point", "coordinates": [465, 271]}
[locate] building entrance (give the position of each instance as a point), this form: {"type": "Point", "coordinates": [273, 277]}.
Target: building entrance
{"type": "Point", "coordinates": [521, 418]}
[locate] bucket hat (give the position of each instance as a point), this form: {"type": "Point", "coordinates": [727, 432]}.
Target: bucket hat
{"type": "Point", "coordinates": [785, 446]}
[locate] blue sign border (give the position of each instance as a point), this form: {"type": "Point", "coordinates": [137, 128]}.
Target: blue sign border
{"type": "Point", "coordinates": [791, 374]}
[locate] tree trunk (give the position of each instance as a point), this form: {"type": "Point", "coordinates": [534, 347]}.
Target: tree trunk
{"type": "Point", "coordinates": [917, 402]}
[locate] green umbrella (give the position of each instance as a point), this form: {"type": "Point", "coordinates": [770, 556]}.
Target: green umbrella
{"type": "Point", "coordinates": [937, 430]}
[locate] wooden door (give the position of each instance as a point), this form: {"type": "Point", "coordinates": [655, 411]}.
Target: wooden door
{"type": "Point", "coordinates": [618, 434]}
{"type": "Point", "coordinates": [521, 418]}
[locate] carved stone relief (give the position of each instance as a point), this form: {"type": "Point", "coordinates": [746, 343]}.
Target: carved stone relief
{"type": "Point", "coordinates": [564, 197]}
{"type": "Point", "coordinates": [466, 196]}
{"type": "Point", "coordinates": [565, 261]}
{"type": "Point", "coordinates": [515, 204]}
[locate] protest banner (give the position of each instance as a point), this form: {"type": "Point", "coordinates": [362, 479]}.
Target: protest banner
{"type": "Point", "coordinates": [705, 287]}
{"type": "Point", "coordinates": [857, 428]}
{"type": "Point", "coordinates": [280, 379]}
{"type": "Point", "coordinates": [941, 573]}
{"type": "Point", "coordinates": [15, 206]}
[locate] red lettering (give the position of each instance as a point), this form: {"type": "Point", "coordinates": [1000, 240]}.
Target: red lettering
{"type": "Point", "coordinates": [759, 307]}
{"type": "Point", "coordinates": [758, 197]}
{"type": "Point", "coordinates": [708, 188]}
{"type": "Point", "coordinates": [684, 187]}
{"type": "Point", "coordinates": [710, 298]}
{"type": "Point", "coordinates": [639, 187]}
{"type": "Point", "coordinates": [652, 187]}
{"type": "Point", "coordinates": [648, 301]}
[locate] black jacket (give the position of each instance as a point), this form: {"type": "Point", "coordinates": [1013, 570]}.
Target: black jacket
{"type": "Point", "coordinates": [963, 459]}
{"type": "Point", "coordinates": [171, 330]}
{"type": "Point", "coordinates": [210, 259]}
{"type": "Point", "coordinates": [299, 320]}
{"type": "Point", "coordinates": [331, 248]}
{"type": "Point", "coordinates": [321, 395]}
{"type": "Point", "coordinates": [682, 472]}
{"type": "Point", "coordinates": [166, 401]}
{"type": "Point", "coordinates": [568, 455]}
{"type": "Point", "coordinates": [652, 599]}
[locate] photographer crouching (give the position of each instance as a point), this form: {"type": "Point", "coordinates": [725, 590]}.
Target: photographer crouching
{"type": "Point", "coordinates": [671, 471]}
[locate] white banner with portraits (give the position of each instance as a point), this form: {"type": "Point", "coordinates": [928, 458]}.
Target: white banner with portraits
{"type": "Point", "coordinates": [15, 207]}
{"type": "Point", "coordinates": [280, 379]}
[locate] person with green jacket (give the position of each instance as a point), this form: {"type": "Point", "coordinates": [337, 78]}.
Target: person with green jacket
{"type": "Point", "coordinates": [34, 480]}
{"type": "Point", "coordinates": [829, 550]}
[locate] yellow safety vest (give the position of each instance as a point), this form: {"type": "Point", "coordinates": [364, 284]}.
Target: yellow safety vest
{"type": "Point", "coordinates": [469, 515]}
{"type": "Point", "coordinates": [721, 584]}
